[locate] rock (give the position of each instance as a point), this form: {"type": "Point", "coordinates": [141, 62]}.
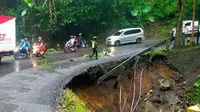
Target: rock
{"type": "Point", "coordinates": [185, 82]}
{"type": "Point", "coordinates": [181, 110]}
{"type": "Point", "coordinates": [71, 60]}
{"type": "Point", "coordinates": [165, 84]}
{"type": "Point", "coordinates": [150, 107]}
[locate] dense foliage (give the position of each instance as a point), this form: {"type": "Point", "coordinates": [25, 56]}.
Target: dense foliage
{"type": "Point", "coordinates": [60, 18]}
{"type": "Point", "coordinates": [195, 92]}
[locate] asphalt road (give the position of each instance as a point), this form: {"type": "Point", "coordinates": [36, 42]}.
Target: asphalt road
{"type": "Point", "coordinates": [11, 65]}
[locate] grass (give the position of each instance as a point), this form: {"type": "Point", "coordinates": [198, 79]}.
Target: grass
{"type": "Point", "coordinates": [71, 103]}
{"type": "Point", "coordinates": [51, 50]}
{"type": "Point", "coordinates": [194, 92]}
{"type": "Point", "coordinates": [174, 52]}
{"type": "Point", "coordinates": [182, 50]}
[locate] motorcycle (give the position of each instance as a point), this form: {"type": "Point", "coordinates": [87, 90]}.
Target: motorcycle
{"type": "Point", "coordinates": [69, 47]}
{"type": "Point", "coordinates": [20, 52]}
{"type": "Point", "coordinates": [37, 53]}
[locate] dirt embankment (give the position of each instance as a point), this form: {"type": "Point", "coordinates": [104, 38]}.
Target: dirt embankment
{"type": "Point", "coordinates": [164, 86]}
{"type": "Point", "coordinates": [106, 98]}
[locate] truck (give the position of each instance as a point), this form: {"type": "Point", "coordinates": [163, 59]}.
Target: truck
{"type": "Point", "coordinates": [188, 25]}
{"type": "Point", "coordinates": [7, 36]}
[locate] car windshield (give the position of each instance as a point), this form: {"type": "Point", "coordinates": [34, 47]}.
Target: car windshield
{"type": "Point", "coordinates": [118, 33]}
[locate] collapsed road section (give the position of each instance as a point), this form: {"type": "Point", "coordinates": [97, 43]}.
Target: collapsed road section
{"type": "Point", "coordinates": [137, 90]}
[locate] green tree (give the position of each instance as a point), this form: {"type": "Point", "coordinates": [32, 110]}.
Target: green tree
{"type": "Point", "coordinates": [181, 5]}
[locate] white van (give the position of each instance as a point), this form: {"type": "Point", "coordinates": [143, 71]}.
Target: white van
{"type": "Point", "coordinates": [127, 35]}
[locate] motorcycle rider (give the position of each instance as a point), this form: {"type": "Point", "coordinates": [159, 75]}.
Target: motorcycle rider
{"type": "Point", "coordinates": [27, 45]}
{"type": "Point", "coordinates": [72, 41]}
{"type": "Point", "coordinates": [41, 45]}
{"type": "Point", "coordinates": [22, 45]}
{"type": "Point", "coordinates": [76, 38]}
{"type": "Point", "coordinates": [82, 41]}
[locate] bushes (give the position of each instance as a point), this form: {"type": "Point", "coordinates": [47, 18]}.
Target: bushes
{"type": "Point", "coordinates": [194, 92]}
{"type": "Point", "coordinates": [71, 103]}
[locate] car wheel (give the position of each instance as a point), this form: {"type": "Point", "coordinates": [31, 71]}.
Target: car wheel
{"type": "Point", "coordinates": [139, 40]}
{"type": "Point", "coordinates": [117, 43]}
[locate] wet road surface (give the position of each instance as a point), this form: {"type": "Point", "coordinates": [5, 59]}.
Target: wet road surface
{"type": "Point", "coordinates": [11, 65]}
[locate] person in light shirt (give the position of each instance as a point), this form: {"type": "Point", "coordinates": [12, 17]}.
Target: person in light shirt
{"type": "Point", "coordinates": [185, 32]}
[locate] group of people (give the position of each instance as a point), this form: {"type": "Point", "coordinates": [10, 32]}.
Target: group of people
{"type": "Point", "coordinates": [75, 40]}
{"type": "Point", "coordinates": [26, 46]}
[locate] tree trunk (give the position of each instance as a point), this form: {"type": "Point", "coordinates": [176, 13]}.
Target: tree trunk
{"type": "Point", "coordinates": [50, 10]}
{"type": "Point", "coordinates": [54, 9]}
{"type": "Point", "coordinates": [179, 34]}
{"type": "Point", "coordinates": [193, 19]}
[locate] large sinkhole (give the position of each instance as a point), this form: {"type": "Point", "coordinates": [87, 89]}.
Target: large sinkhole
{"type": "Point", "coordinates": [107, 97]}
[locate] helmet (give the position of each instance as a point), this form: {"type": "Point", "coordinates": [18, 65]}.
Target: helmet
{"type": "Point", "coordinates": [25, 39]}
{"type": "Point", "coordinates": [22, 40]}
{"type": "Point", "coordinates": [72, 36]}
{"type": "Point", "coordinates": [95, 37]}
{"type": "Point", "coordinates": [39, 38]}
{"type": "Point", "coordinates": [80, 34]}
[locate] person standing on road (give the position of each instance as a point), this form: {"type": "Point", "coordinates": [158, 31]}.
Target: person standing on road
{"type": "Point", "coordinates": [94, 47]}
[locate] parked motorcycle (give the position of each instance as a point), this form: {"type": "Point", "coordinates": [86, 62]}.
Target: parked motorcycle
{"type": "Point", "coordinates": [69, 47]}
{"type": "Point", "coordinates": [37, 52]}
{"type": "Point", "coordinates": [20, 52]}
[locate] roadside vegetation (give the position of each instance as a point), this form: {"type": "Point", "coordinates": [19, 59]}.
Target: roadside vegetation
{"type": "Point", "coordinates": [56, 20]}
{"type": "Point", "coordinates": [72, 103]}
{"type": "Point", "coordinates": [194, 92]}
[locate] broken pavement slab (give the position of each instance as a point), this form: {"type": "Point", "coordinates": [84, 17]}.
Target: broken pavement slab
{"type": "Point", "coordinates": [165, 84]}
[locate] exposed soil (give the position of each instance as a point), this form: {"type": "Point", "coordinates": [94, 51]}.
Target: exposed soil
{"type": "Point", "coordinates": [105, 98]}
